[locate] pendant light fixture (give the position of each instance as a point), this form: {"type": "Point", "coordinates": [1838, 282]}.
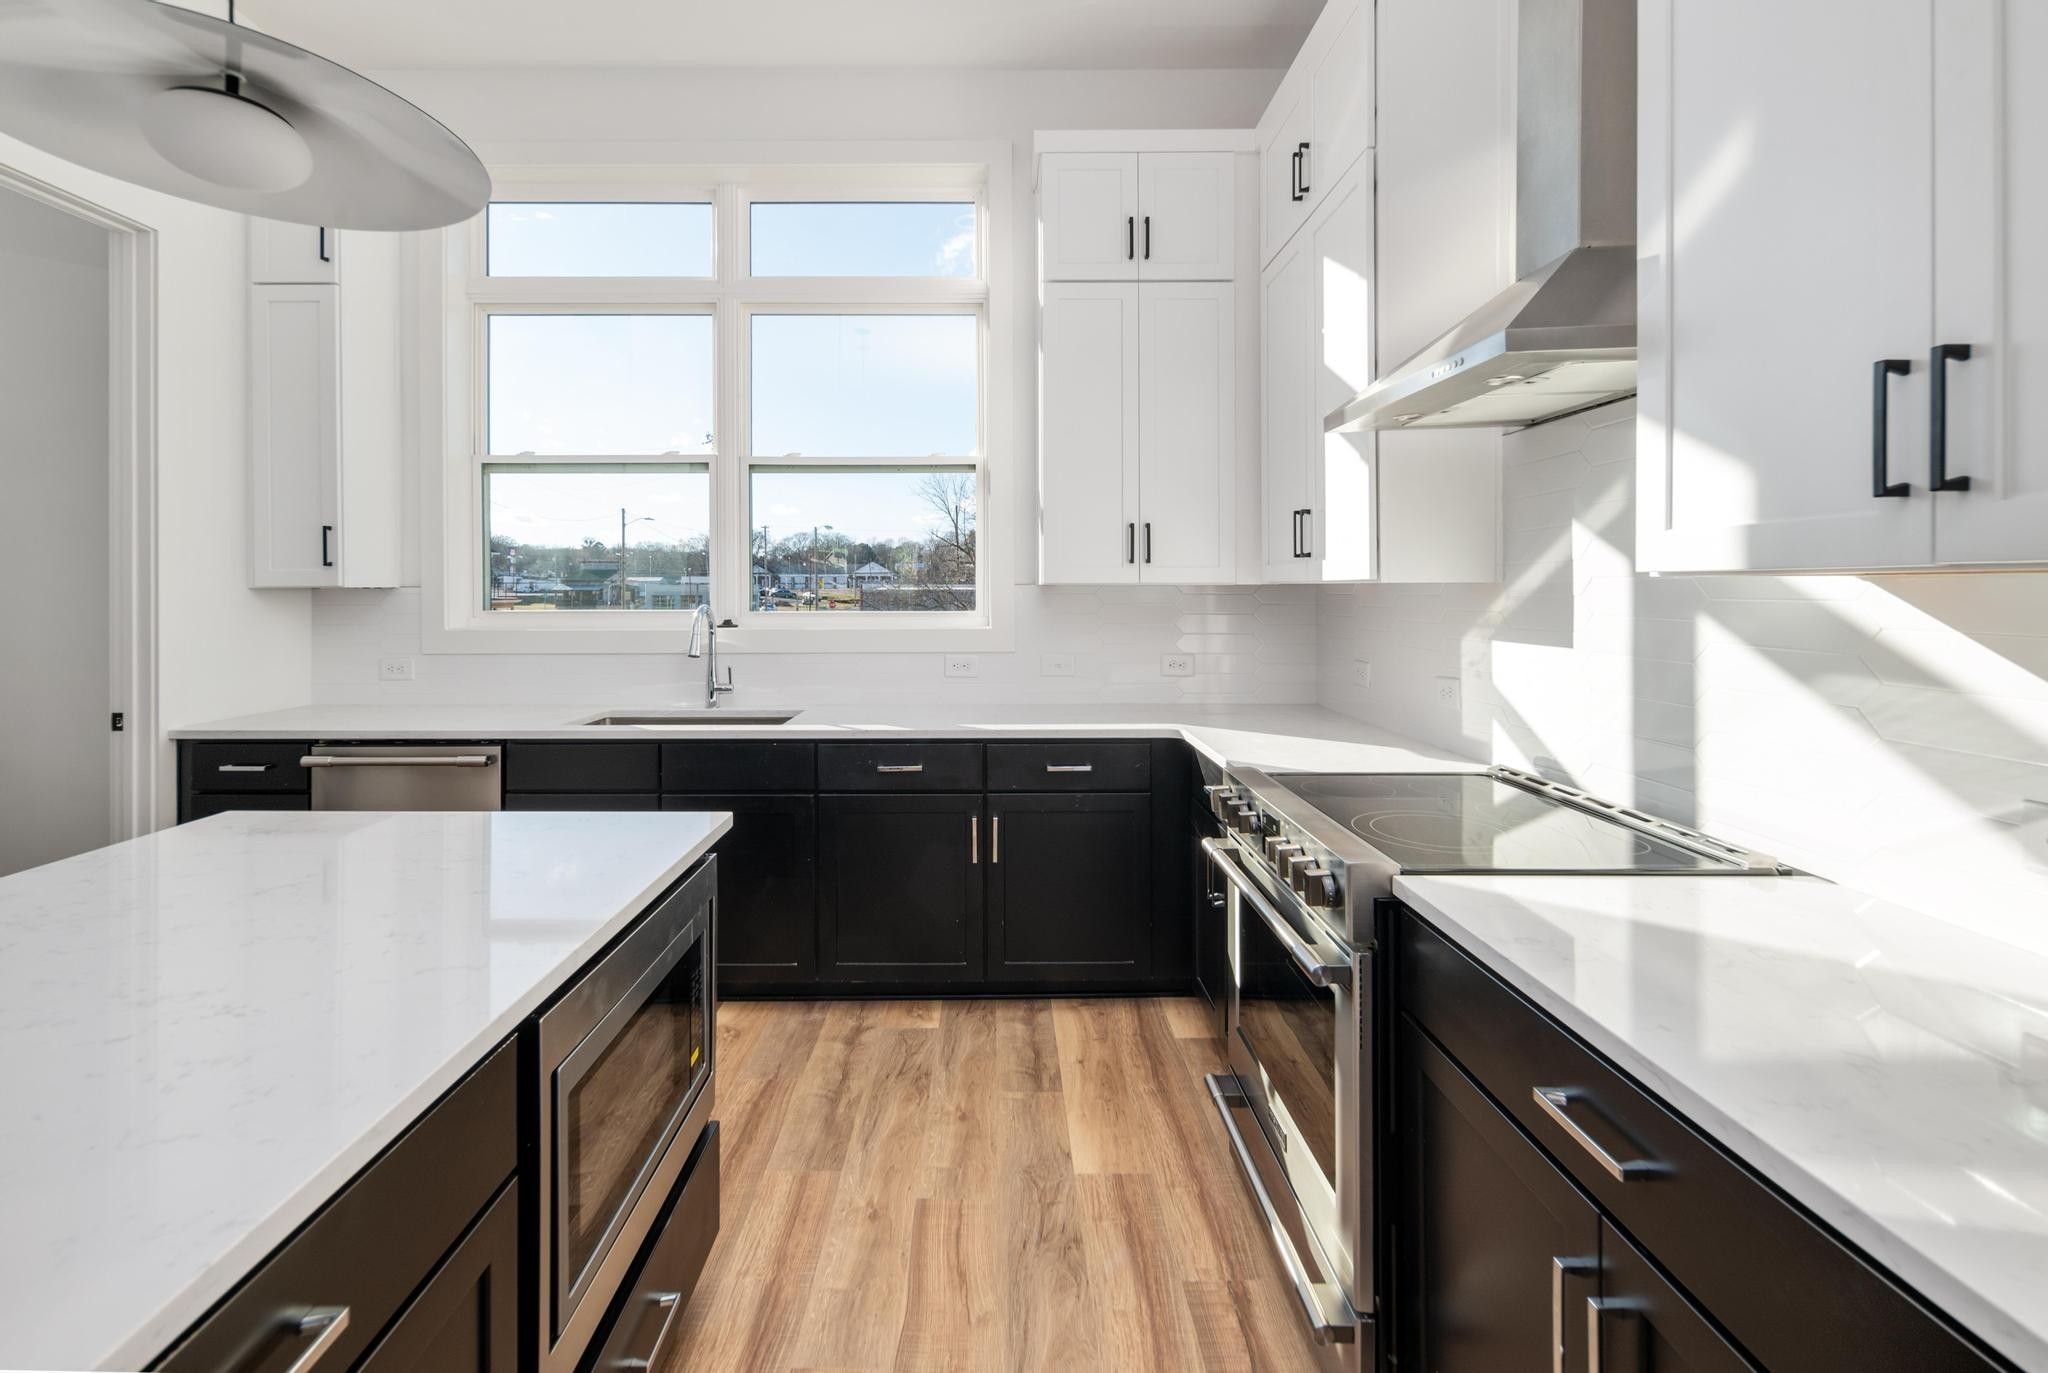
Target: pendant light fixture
{"type": "Point", "coordinates": [208, 110]}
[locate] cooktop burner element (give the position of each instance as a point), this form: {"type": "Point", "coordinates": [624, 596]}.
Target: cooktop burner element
{"type": "Point", "coordinates": [1478, 822]}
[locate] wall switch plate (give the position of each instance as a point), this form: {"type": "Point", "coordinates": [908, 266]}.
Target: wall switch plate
{"type": "Point", "coordinates": [1055, 665]}
{"type": "Point", "coordinates": [962, 665]}
{"type": "Point", "coordinates": [1361, 673]}
{"type": "Point", "coordinates": [1448, 694]}
{"type": "Point", "coordinates": [1177, 665]}
{"type": "Point", "coordinates": [394, 669]}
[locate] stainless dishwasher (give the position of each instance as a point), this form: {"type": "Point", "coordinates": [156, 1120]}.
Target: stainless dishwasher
{"type": "Point", "coordinates": [406, 777]}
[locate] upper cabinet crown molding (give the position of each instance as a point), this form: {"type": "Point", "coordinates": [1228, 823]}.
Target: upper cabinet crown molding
{"type": "Point", "coordinates": [1792, 415]}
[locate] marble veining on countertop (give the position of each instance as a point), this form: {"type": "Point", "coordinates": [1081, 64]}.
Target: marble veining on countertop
{"type": "Point", "coordinates": [1273, 737]}
{"type": "Point", "coordinates": [1887, 1070]}
{"type": "Point", "coordinates": [208, 1030]}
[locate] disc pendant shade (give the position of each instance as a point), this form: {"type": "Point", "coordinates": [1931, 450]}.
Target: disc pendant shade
{"type": "Point", "coordinates": [207, 110]}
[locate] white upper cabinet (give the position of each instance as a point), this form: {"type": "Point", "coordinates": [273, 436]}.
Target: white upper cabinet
{"type": "Point", "coordinates": [1991, 279]}
{"type": "Point", "coordinates": [1154, 216]}
{"type": "Point", "coordinates": [1837, 284]}
{"type": "Point", "coordinates": [1187, 451]}
{"type": "Point", "coordinates": [1088, 216]}
{"type": "Point", "coordinates": [292, 254]}
{"type": "Point", "coordinates": [1318, 122]}
{"type": "Point", "coordinates": [325, 440]}
{"type": "Point", "coordinates": [1186, 213]}
{"type": "Point", "coordinates": [1088, 432]}
{"type": "Point", "coordinates": [1287, 409]}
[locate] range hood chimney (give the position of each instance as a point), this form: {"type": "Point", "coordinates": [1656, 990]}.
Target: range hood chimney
{"type": "Point", "coordinates": [1563, 337]}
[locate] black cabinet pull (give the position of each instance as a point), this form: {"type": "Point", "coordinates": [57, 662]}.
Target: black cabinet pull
{"type": "Point", "coordinates": [1130, 543]}
{"type": "Point", "coordinates": [325, 255]}
{"type": "Point", "coordinates": [1131, 237]}
{"type": "Point", "coordinates": [1937, 411]}
{"type": "Point", "coordinates": [1148, 238]}
{"type": "Point", "coordinates": [326, 536]}
{"type": "Point", "coordinates": [1148, 541]}
{"type": "Point", "coordinates": [1308, 529]}
{"type": "Point", "coordinates": [1294, 175]}
{"type": "Point", "coordinates": [1881, 373]}
{"type": "Point", "coordinates": [1301, 161]}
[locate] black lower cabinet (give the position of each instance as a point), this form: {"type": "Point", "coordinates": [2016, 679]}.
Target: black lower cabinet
{"type": "Point", "coordinates": [900, 888]}
{"type": "Point", "coordinates": [1208, 916]}
{"type": "Point", "coordinates": [767, 889]}
{"type": "Point", "coordinates": [1499, 1252]}
{"type": "Point", "coordinates": [466, 1320]}
{"type": "Point", "coordinates": [199, 807]}
{"type": "Point", "coordinates": [1641, 1324]}
{"type": "Point", "coordinates": [584, 801]}
{"type": "Point", "coordinates": [1069, 887]}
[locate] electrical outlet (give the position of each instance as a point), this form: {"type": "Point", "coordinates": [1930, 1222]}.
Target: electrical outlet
{"type": "Point", "coordinates": [962, 665]}
{"type": "Point", "coordinates": [1361, 673]}
{"type": "Point", "coordinates": [1448, 694]}
{"type": "Point", "coordinates": [1177, 665]}
{"type": "Point", "coordinates": [1055, 665]}
{"type": "Point", "coordinates": [394, 669]}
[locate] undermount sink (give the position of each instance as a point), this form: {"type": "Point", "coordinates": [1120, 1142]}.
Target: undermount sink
{"type": "Point", "coordinates": [695, 719]}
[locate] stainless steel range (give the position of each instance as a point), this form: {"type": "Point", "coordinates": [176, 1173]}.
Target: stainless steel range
{"type": "Point", "coordinates": [1307, 860]}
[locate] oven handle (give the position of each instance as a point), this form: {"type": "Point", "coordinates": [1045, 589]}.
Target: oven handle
{"type": "Point", "coordinates": [1320, 970]}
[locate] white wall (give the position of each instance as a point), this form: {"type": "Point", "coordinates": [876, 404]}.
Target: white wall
{"type": "Point", "coordinates": [55, 673]}
{"type": "Point", "coordinates": [1251, 644]}
{"type": "Point", "coordinates": [223, 648]}
{"type": "Point", "coordinates": [1890, 733]}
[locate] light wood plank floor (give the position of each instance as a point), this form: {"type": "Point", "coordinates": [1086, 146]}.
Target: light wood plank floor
{"type": "Point", "coordinates": [980, 1185]}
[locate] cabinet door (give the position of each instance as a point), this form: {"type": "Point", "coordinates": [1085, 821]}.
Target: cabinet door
{"type": "Point", "coordinates": [1340, 103]}
{"type": "Point", "coordinates": [1786, 236]}
{"type": "Point", "coordinates": [1991, 278]}
{"type": "Point", "coordinates": [1642, 1324]}
{"type": "Point", "coordinates": [466, 1320]}
{"type": "Point", "coordinates": [295, 435]}
{"type": "Point", "coordinates": [1187, 216]}
{"type": "Point", "coordinates": [1070, 887]}
{"type": "Point", "coordinates": [767, 886]}
{"type": "Point", "coordinates": [1088, 433]}
{"type": "Point", "coordinates": [1343, 524]}
{"type": "Point", "coordinates": [292, 254]}
{"type": "Point", "coordinates": [1211, 919]}
{"type": "Point", "coordinates": [1283, 205]}
{"type": "Point", "coordinates": [1500, 1250]}
{"type": "Point", "coordinates": [1286, 387]}
{"type": "Point", "coordinates": [1088, 216]}
{"type": "Point", "coordinates": [900, 888]}
{"type": "Point", "coordinates": [1187, 423]}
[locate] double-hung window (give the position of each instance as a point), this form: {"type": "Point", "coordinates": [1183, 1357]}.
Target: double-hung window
{"type": "Point", "coordinates": [758, 397]}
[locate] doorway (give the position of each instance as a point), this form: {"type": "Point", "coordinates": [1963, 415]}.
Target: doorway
{"type": "Point", "coordinates": [77, 526]}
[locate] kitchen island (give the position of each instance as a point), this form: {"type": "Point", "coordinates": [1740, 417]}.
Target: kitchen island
{"type": "Point", "coordinates": [211, 1029]}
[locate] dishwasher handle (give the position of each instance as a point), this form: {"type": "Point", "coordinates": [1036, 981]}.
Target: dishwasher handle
{"type": "Point", "coordinates": [449, 760]}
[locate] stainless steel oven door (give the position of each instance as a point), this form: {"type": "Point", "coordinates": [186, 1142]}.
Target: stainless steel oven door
{"type": "Point", "coordinates": [626, 1059]}
{"type": "Point", "coordinates": [1300, 1049]}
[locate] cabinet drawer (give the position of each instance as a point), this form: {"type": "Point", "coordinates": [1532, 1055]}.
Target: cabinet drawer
{"type": "Point", "coordinates": [373, 1245]}
{"type": "Point", "coordinates": [246, 767]}
{"type": "Point", "coordinates": [1727, 1236]}
{"type": "Point", "coordinates": [582, 800]}
{"type": "Point", "coordinates": [1084, 765]}
{"type": "Point", "coordinates": [200, 807]}
{"type": "Point", "coordinates": [899, 767]}
{"type": "Point", "coordinates": [583, 767]}
{"type": "Point", "coordinates": [647, 1313]}
{"type": "Point", "coordinates": [739, 765]}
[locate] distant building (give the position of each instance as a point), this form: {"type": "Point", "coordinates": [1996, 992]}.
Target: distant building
{"type": "Point", "coordinates": [871, 574]}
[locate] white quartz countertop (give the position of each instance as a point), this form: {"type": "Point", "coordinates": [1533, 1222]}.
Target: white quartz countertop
{"type": "Point", "coordinates": [1282, 737]}
{"type": "Point", "coordinates": [1886, 1069]}
{"type": "Point", "coordinates": [209, 1030]}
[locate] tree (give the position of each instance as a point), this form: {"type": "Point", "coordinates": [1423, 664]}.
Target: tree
{"type": "Point", "coordinates": [944, 573]}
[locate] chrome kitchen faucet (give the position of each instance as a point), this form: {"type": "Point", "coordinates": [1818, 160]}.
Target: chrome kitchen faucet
{"type": "Point", "coordinates": [703, 630]}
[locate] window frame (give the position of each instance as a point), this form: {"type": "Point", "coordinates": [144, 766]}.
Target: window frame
{"type": "Point", "coordinates": [454, 398]}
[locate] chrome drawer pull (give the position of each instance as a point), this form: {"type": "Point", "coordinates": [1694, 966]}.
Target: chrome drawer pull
{"type": "Point", "coordinates": [669, 1302]}
{"type": "Point", "coordinates": [1070, 767]}
{"type": "Point", "coordinates": [243, 767]}
{"type": "Point", "coordinates": [1627, 1354]}
{"type": "Point", "coordinates": [1557, 1102]}
{"type": "Point", "coordinates": [324, 1324]}
{"type": "Point", "coordinates": [447, 760]}
{"type": "Point", "coordinates": [1331, 1319]}
{"type": "Point", "coordinates": [899, 767]}
{"type": "Point", "coordinates": [1560, 1268]}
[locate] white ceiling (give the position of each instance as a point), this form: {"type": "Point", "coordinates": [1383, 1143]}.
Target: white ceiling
{"type": "Point", "coordinates": [842, 34]}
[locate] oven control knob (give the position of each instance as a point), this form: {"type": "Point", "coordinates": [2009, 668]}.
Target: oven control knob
{"type": "Point", "coordinates": [1277, 849]}
{"type": "Point", "coordinates": [1317, 886]}
{"type": "Point", "coordinates": [1244, 819]}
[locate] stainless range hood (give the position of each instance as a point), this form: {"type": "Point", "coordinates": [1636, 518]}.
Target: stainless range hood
{"type": "Point", "coordinates": [1563, 337]}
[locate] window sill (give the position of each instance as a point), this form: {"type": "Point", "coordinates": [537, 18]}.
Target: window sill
{"type": "Point", "coordinates": [666, 632]}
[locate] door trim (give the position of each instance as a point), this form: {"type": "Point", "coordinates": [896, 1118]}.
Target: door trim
{"type": "Point", "coordinates": [139, 757]}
